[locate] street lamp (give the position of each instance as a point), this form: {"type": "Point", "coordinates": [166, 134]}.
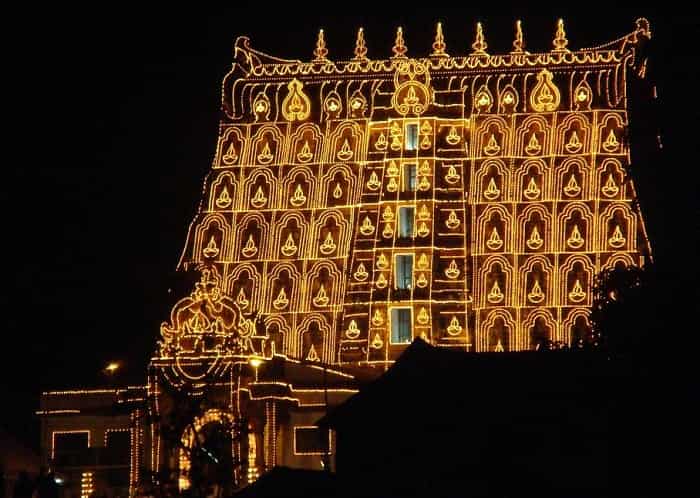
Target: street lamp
{"type": "Point", "coordinates": [255, 362]}
{"type": "Point", "coordinates": [112, 367]}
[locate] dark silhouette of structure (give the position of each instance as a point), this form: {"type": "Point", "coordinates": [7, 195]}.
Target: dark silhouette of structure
{"type": "Point", "coordinates": [448, 423]}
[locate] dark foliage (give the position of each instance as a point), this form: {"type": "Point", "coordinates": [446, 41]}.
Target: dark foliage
{"type": "Point", "coordinates": [626, 301]}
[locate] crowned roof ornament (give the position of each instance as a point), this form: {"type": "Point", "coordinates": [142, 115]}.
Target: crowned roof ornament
{"type": "Point", "coordinates": [399, 47]}
{"type": "Point", "coordinates": [320, 51]}
{"type": "Point", "coordinates": [479, 44]}
{"type": "Point", "coordinates": [560, 42]}
{"type": "Point", "coordinates": [360, 47]}
{"type": "Point", "coordinates": [439, 44]}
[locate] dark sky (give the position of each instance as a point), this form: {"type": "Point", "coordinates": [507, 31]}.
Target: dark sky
{"type": "Point", "coordinates": [116, 126]}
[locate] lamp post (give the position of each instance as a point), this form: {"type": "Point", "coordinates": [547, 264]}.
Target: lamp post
{"type": "Point", "coordinates": [255, 362]}
{"type": "Point", "coordinates": [110, 371]}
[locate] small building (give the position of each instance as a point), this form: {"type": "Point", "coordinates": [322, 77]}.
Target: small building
{"type": "Point", "coordinates": [87, 439]}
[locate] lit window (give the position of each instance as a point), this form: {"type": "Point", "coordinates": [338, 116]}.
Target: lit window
{"type": "Point", "coordinates": [412, 136]}
{"type": "Point", "coordinates": [406, 217]}
{"type": "Point", "coordinates": [409, 177]}
{"type": "Point", "coordinates": [401, 325]}
{"type": "Point", "coordinates": [404, 271]}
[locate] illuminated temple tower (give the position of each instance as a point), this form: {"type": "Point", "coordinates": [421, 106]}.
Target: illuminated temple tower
{"type": "Point", "coordinates": [468, 200]}
{"type": "Point", "coordinates": [353, 206]}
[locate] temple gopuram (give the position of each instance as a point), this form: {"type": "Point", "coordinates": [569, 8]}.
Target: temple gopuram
{"type": "Point", "coordinates": [467, 199]}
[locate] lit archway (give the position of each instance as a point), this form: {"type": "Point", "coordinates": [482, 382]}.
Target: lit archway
{"type": "Point", "coordinates": [212, 429]}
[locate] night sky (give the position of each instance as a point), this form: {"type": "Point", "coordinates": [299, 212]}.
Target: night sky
{"type": "Point", "coordinates": [117, 115]}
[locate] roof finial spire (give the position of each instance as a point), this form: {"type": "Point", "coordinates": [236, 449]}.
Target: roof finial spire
{"type": "Point", "coordinates": [360, 47]}
{"type": "Point", "coordinates": [518, 42]}
{"type": "Point", "coordinates": [320, 51]}
{"type": "Point", "coordinates": [560, 42]}
{"type": "Point", "coordinates": [399, 47]}
{"type": "Point", "coordinates": [439, 44]}
{"type": "Point", "coordinates": [479, 44]}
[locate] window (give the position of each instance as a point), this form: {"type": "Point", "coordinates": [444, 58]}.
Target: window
{"type": "Point", "coordinates": [70, 448]}
{"type": "Point", "coordinates": [404, 271]}
{"type": "Point", "coordinates": [409, 177]}
{"type": "Point", "coordinates": [310, 440]}
{"type": "Point", "coordinates": [400, 325]}
{"type": "Point", "coordinates": [118, 449]}
{"type": "Point", "coordinates": [412, 136]}
{"type": "Point", "coordinates": [406, 217]}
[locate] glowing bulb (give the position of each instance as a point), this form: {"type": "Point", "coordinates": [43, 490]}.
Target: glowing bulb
{"type": "Point", "coordinates": [255, 362]}
{"type": "Point", "coordinates": [112, 367]}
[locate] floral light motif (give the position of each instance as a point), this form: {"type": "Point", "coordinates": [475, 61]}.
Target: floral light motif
{"type": "Point", "coordinates": [574, 144]}
{"type": "Point", "coordinates": [305, 153]}
{"type": "Point", "coordinates": [577, 293]}
{"type": "Point", "coordinates": [532, 191]}
{"type": "Point", "coordinates": [281, 301]}
{"type": "Point", "coordinates": [535, 241]}
{"type": "Point", "coordinates": [231, 156]}
{"type": "Point", "coordinates": [212, 250]}
{"type": "Point", "coordinates": [296, 106]}
{"type": "Point", "coordinates": [545, 96]}
{"type": "Point", "coordinates": [452, 271]}
{"type": "Point", "coordinates": [492, 148]}
{"type": "Point", "coordinates": [610, 189]}
{"type": "Point", "coordinates": [495, 295]}
{"type": "Point", "coordinates": [353, 331]}
{"type": "Point", "coordinates": [361, 273]}
{"type": "Point", "coordinates": [454, 328]}
{"type": "Point", "coordinates": [452, 220]}
{"type": "Point", "coordinates": [224, 199]}
{"type": "Point", "coordinates": [617, 240]}
{"type": "Point", "coordinates": [536, 295]}
{"type": "Point", "coordinates": [289, 248]}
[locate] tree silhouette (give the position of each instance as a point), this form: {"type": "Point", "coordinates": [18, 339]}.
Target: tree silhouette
{"type": "Point", "coordinates": [626, 301]}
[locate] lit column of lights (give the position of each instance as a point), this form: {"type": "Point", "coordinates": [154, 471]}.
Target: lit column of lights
{"type": "Point", "coordinates": [86, 485]}
{"type": "Point", "coordinates": [253, 473]}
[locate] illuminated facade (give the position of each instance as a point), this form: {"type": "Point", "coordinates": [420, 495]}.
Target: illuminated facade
{"type": "Point", "coordinates": [354, 206]}
{"type": "Point", "coordinates": [468, 200]}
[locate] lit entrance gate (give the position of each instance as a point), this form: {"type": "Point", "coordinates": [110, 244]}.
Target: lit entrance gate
{"type": "Point", "coordinates": [210, 449]}
{"type": "Point", "coordinates": [198, 440]}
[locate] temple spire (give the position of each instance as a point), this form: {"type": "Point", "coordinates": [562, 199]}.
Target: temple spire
{"type": "Point", "coordinates": [560, 42]}
{"type": "Point", "coordinates": [518, 42]}
{"type": "Point", "coordinates": [479, 44]}
{"type": "Point", "coordinates": [399, 47]}
{"type": "Point", "coordinates": [320, 51]}
{"type": "Point", "coordinates": [360, 47]}
{"type": "Point", "coordinates": [439, 44]}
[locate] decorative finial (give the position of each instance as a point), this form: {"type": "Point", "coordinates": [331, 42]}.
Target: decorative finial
{"type": "Point", "coordinates": [399, 47]}
{"type": "Point", "coordinates": [360, 47]}
{"type": "Point", "coordinates": [560, 42]}
{"type": "Point", "coordinates": [479, 44]}
{"type": "Point", "coordinates": [518, 42]}
{"type": "Point", "coordinates": [439, 43]}
{"type": "Point", "coordinates": [320, 51]}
